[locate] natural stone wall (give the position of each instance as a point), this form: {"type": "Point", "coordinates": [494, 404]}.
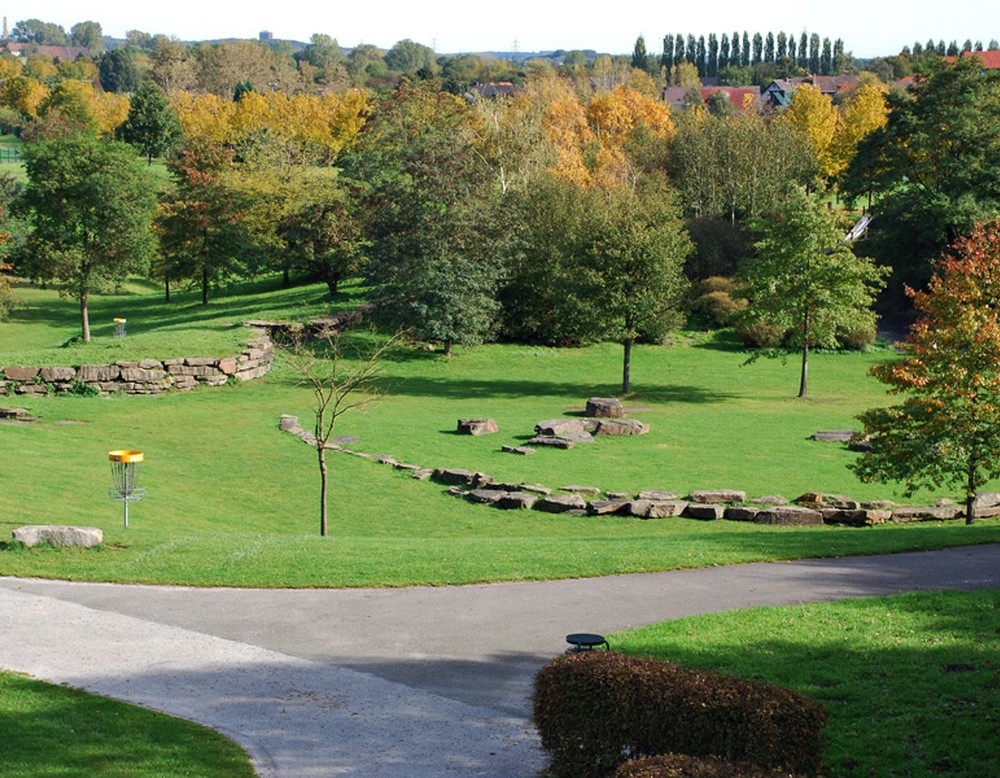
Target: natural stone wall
{"type": "Point", "coordinates": [149, 376]}
{"type": "Point", "coordinates": [811, 508]}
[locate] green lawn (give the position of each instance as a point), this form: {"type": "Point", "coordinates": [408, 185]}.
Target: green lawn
{"type": "Point", "coordinates": [233, 501]}
{"type": "Point", "coordinates": [57, 731]}
{"type": "Point", "coordinates": [911, 683]}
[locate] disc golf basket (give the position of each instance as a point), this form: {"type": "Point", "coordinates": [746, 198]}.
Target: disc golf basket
{"type": "Point", "coordinates": [120, 331]}
{"type": "Point", "coordinates": [125, 468]}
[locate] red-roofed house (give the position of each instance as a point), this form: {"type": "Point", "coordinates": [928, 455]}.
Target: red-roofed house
{"type": "Point", "coordinates": [742, 97]}
{"type": "Point", "coordinates": [991, 59]}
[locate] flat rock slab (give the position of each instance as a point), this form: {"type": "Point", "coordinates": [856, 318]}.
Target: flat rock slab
{"type": "Point", "coordinates": [834, 436]}
{"type": "Point", "coordinates": [561, 503]}
{"type": "Point", "coordinates": [741, 512]}
{"type": "Point", "coordinates": [855, 518]}
{"type": "Point", "coordinates": [574, 489]}
{"type": "Point", "coordinates": [562, 427]}
{"type": "Point", "coordinates": [550, 441]}
{"type": "Point", "coordinates": [524, 451]}
{"type": "Point", "coordinates": [58, 535]}
{"type": "Point", "coordinates": [657, 509]}
{"type": "Point", "coordinates": [789, 516]}
{"type": "Point", "coordinates": [607, 507]}
{"type": "Point", "coordinates": [516, 500]}
{"type": "Point", "coordinates": [932, 513]}
{"type": "Point", "coordinates": [656, 494]}
{"type": "Point", "coordinates": [717, 496]}
{"type": "Point", "coordinates": [460, 477]}
{"type": "Point", "coordinates": [704, 511]}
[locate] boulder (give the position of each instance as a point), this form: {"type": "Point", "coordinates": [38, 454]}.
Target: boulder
{"type": "Point", "coordinates": [789, 516]}
{"type": "Point", "coordinates": [477, 426]}
{"type": "Point", "coordinates": [56, 535]}
{"type": "Point", "coordinates": [717, 496]}
{"type": "Point", "coordinates": [524, 451]}
{"type": "Point", "coordinates": [561, 503]}
{"type": "Point", "coordinates": [288, 423]}
{"type": "Point", "coordinates": [621, 427]}
{"type": "Point", "coordinates": [705, 511]}
{"type": "Point", "coordinates": [605, 408]}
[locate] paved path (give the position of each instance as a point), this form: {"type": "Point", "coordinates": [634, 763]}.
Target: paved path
{"type": "Point", "coordinates": [393, 682]}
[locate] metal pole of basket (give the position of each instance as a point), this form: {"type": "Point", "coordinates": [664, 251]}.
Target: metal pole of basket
{"type": "Point", "coordinates": [126, 465]}
{"type": "Point", "coordinates": [120, 331]}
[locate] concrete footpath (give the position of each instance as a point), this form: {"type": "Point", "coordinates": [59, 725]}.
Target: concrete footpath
{"type": "Point", "coordinates": [393, 682]}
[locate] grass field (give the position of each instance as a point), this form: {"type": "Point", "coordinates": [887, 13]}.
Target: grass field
{"type": "Point", "coordinates": [233, 501]}
{"type": "Point", "coordinates": [911, 683]}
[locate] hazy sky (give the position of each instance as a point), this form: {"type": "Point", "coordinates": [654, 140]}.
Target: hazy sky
{"type": "Point", "coordinates": [868, 27]}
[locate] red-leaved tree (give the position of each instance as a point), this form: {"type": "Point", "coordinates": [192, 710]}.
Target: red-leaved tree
{"type": "Point", "coordinates": [946, 432]}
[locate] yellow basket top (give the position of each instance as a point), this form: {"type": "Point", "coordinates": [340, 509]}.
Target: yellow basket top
{"type": "Point", "coordinates": [120, 321]}
{"type": "Point", "coordinates": [125, 455]}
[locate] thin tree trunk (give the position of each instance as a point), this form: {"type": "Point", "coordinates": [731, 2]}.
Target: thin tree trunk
{"type": "Point", "coordinates": [447, 348]}
{"type": "Point", "coordinates": [166, 286]}
{"type": "Point", "coordinates": [321, 451]}
{"type": "Point", "coordinates": [804, 377]}
{"type": "Point", "coordinates": [84, 316]}
{"type": "Point", "coordinates": [971, 488]}
{"type": "Point", "coordinates": [204, 285]}
{"type": "Point", "coordinates": [626, 364]}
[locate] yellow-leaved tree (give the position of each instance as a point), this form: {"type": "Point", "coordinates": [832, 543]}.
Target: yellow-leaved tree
{"type": "Point", "coordinates": [812, 114]}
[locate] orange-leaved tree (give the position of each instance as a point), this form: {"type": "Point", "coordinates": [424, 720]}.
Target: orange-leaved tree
{"type": "Point", "coordinates": [946, 432]}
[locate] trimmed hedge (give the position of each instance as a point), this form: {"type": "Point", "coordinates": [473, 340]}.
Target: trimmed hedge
{"type": "Point", "coordinates": [598, 709]}
{"type": "Point", "coordinates": [682, 766]}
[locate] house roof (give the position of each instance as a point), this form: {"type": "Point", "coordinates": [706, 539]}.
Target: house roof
{"type": "Point", "coordinates": [56, 52]}
{"type": "Point", "coordinates": [991, 59]}
{"type": "Point", "coordinates": [675, 95]}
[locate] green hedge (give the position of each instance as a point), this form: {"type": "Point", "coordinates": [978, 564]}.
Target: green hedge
{"type": "Point", "coordinates": [596, 710]}
{"type": "Point", "coordinates": [682, 766]}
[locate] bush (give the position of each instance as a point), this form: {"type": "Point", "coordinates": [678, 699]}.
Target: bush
{"type": "Point", "coordinates": [856, 339]}
{"type": "Point", "coordinates": [760, 334]}
{"type": "Point", "coordinates": [595, 711]}
{"type": "Point", "coordinates": [682, 766]}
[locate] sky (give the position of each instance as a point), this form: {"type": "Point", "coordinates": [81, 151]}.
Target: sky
{"type": "Point", "coordinates": [868, 27]}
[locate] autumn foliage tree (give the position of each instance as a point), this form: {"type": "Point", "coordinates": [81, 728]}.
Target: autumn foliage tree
{"type": "Point", "coordinates": [946, 431]}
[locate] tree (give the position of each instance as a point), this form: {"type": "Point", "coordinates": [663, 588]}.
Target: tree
{"type": "Point", "coordinates": [410, 57]}
{"type": "Point", "coordinates": [806, 281]}
{"type": "Point", "coordinates": [640, 59]}
{"type": "Point", "coordinates": [932, 166]}
{"type": "Point", "coordinates": [429, 207]}
{"type": "Point", "coordinates": [37, 31]}
{"type": "Point", "coordinates": [152, 125]}
{"type": "Point", "coordinates": [636, 254]}
{"type": "Point", "coordinates": [89, 35]}
{"type": "Point", "coordinates": [812, 115]}
{"type": "Point", "coordinates": [947, 429]}
{"type": "Point", "coordinates": [335, 391]}
{"type": "Point", "coordinates": [203, 226]}
{"type": "Point", "coordinates": [91, 205]}
{"type": "Point", "coordinates": [118, 71]}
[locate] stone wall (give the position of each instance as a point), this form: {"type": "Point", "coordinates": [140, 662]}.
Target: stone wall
{"type": "Point", "coordinates": [149, 376]}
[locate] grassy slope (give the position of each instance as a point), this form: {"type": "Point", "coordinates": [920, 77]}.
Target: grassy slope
{"type": "Point", "coordinates": [233, 501]}
{"type": "Point", "coordinates": [107, 738]}
{"type": "Point", "coordinates": [911, 683]}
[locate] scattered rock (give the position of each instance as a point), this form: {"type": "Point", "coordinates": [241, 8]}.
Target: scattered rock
{"type": "Point", "coordinates": [534, 488]}
{"type": "Point", "coordinates": [551, 442]}
{"type": "Point", "coordinates": [561, 503]}
{"type": "Point", "coordinates": [523, 451]}
{"type": "Point", "coordinates": [460, 477]}
{"type": "Point", "coordinates": [487, 496]}
{"type": "Point", "coordinates": [834, 436]}
{"type": "Point", "coordinates": [287, 423]}
{"type": "Point", "coordinates": [855, 518]}
{"type": "Point", "coordinates": [605, 408]}
{"type": "Point", "coordinates": [560, 427]}
{"type": "Point", "coordinates": [58, 535]}
{"type": "Point", "coordinates": [423, 474]}
{"type": "Point", "coordinates": [617, 495]}
{"type": "Point", "coordinates": [386, 460]}
{"type": "Point", "coordinates": [405, 466]}
{"type": "Point", "coordinates": [789, 516]}
{"type": "Point", "coordinates": [717, 496]}
{"type": "Point", "coordinates": [621, 427]}
{"type": "Point", "coordinates": [20, 373]}
{"type": "Point", "coordinates": [477, 426]}
{"type": "Point", "coordinates": [457, 491]}
{"type": "Point", "coordinates": [878, 505]}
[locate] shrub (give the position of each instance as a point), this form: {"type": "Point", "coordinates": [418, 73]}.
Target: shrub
{"type": "Point", "coordinates": [760, 334]}
{"type": "Point", "coordinates": [683, 766]}
{"type": "Point", "coordinates": [856, 339]}
{"type": "Point", "coordinates": [594, 711]}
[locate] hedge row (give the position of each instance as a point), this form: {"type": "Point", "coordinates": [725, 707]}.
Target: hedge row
{"type": "Point", "coordinates": [682, 766]}
{"type": "Point", "coordinates": [596, 710]}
